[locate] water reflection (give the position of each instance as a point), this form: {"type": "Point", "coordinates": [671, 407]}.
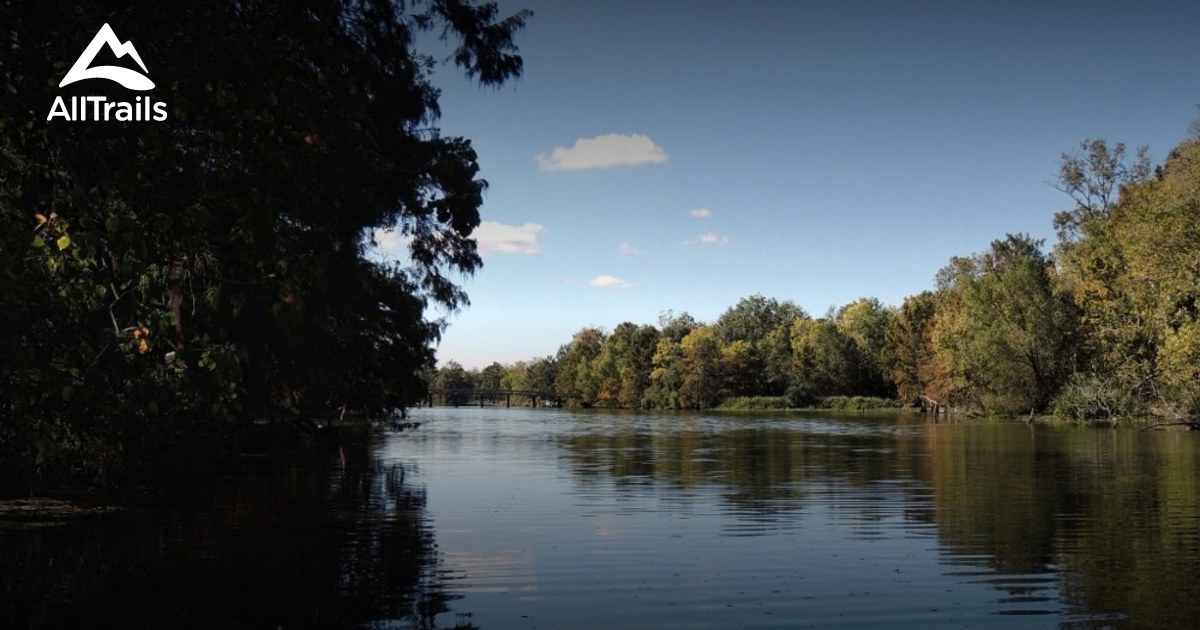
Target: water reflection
{"type": "Point", "coordinates": [1096, 528]}
{"type": "Point", "coordinates": [763, 468]}
{"type": "Point", "coordinates": [556, 519]}
{"type": "Point", "coordinates": [295, 545]}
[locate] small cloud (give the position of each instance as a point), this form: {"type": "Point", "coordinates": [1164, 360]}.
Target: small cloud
{"type": "Point", "coordinates": [605, 281]}
{"type": "Point", "coordinates": [708, 238]}
{"type": "Point", "coordinates": [498, 238]}
{"type": "Point", "coordinates": [625, 249]}
{"type": "Point", "coordinates": [387, 238]}
{"type": "Point", "coordinates": [613, 149]}
{"type": "Point", "coordinates": [700, 213]}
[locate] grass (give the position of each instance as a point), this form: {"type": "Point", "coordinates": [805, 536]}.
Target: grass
{"type": "Point", "coordinates": [827, 403]}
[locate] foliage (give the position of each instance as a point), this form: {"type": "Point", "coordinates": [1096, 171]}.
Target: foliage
{"type": "Point", "coordinates": [1134, 273]}
{"type": "Point", "coordinates": [859, 403]}
{"type": "Point", "coordinates": [1010, 336]}
{"type": "Point", "coordinates": [825, 360]}
{"type": "Point", "coordinates": [665, 376]}
{"type": "Point", "coordinates": [756, 403]}
{"type": "Point", "coordinates": [455, 384]}
{"type": "Point", "coordinates": [576, 365]}
{"type": "Point", "coordinates": [909, 347]}
{"type": "Point", "coordinates": [164, 282]}
{"type": "Point", "coordinates": [866, 322]}
{"type": "Point", "coordinates": [700, 369]}
{"type": "Point", "coordinates": [1093, 177]}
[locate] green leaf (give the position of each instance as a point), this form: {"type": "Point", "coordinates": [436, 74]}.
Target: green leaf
{"type": "Point", "coordinates": [63, 242]}
{"type": "Point", "coordinates": [38, 242]}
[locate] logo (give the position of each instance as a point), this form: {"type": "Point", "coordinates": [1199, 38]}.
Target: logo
{"type": "Point", "coordinates": [130, 79]}
{"type": "Point", "coordinates": [99, 107]}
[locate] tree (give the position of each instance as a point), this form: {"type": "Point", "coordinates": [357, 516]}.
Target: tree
{"type": "Point", "coordinates": [700, 369]}
{"type": "Point", "coordinates": [676, 327]}
{"type": "Point", "coordinates": [825, 361]}
{"type": "Point", "coordinates": [543, 373]}
{"type": "Point", "coordinates": [910, 349]}
{"type": "Point", "coordinates": [516, 376]}
{"type": "Point", "coordinates": [666, 375]}
{"type": "Point", "coordinates": [624, 365]}
{"type": "Point", "coordinates": [755, 321]}
{"type": "Point", "coordinates": [1093, 177]}
{"type": "Point", "coordinates": [1011, 337]}
{"type": "Point", "coordinates": [1134, 272]}
{"type": "Point", "coordinates": [212, 267]}
{"type": "Point", "coordinates": [866, 322]}
{"type": "Point", "coordinates": [754, 317]}
{"type": "Point", "coordinates": [454, 383]}
{"type": "Point", "coordinates": [577, 365]}
{"type": "Point", "coordinates": [492, 376]}
{"type": "Point", "coordinates": [776, 352]}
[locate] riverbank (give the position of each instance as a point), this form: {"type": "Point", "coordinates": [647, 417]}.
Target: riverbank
{"type": "Point", "coordinates": [826, 403]}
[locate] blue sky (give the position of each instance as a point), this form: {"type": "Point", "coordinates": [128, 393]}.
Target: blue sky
{"type": "Point", "coordinates": [683, 155]}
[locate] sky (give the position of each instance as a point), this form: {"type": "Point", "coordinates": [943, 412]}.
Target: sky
{"type": "Point", "coordinates": [680, 156]}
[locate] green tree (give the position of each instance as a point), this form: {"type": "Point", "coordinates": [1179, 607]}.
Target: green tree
{"type": "Point", "coordinates": [165, 280]}
{"type": "Point", "coordinates": [700, 369]}
{"type": "Point", "coordinates": [1012, 337]}
{"type": "Point", "coordinates": [676, 327]}
{"type": "Point", "coordinates": [776, 352]}
{"type": "Point", "coordinates": [492, 376]}
{"type": "Point", "coordinates": [665, 375]}
{"type": "Point", "coordinates": [454, 384]}
{"type": "Point", "coordinates": [577, 365]}
{"type": "Point", "coordinates": [866, 322]}
{"type": "Point", "coordinates": [825, 361]}
{"type": "Point", "coordinates": [516, 376]}
{"type": "Point", "coordinates": [754, 317]}
{"type": "Point", "coordinates": [910, 349]}
{"type": "Point", "coordinates": [756, 321]}
{"type": "Point", "coordinates": [624, 365]}
{"type": "Point", "coordinates": [543, 374]}
{"type": "Point", "coordinates": [1093, 177]}
{"type": "Point", "coordinates": [1133, 271]}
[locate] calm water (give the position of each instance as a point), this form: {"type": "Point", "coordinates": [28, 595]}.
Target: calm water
{"type": "Point", "coordinates": [518, 518]}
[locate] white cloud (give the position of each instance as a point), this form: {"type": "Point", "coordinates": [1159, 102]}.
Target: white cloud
{"type": "Point", "coordinates": [613, 149]}
{"type": "Point", "coordinates": [388, 238]}
{"type": "Point", "coordinates": [605, 281]}
{"type": "Point", "coordinates": [498, 238]}
{"type": "Point", "coordinates": [625, 249]}
{"type": "Point", "coordinates": [708, 238]}
{"type": "Point", "coordinates": [700, 213]}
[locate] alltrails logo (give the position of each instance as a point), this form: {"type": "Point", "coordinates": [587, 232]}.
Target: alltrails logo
{"type": "Point", "coordinates": [99, 107]}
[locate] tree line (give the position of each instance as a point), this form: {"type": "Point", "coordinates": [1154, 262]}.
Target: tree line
{"type": "Point", "coordinates": [1103, 325]}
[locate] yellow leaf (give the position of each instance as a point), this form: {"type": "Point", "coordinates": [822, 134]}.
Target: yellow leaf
{"type": "Point", "coordinates": [63, 242]}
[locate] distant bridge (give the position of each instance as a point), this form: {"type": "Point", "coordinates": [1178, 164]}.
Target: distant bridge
{"type": "Point", "coordinates": [470, 396]}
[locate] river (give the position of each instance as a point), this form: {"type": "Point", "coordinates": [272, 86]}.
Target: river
{"type": "Point", "coordinates": [545, 518]}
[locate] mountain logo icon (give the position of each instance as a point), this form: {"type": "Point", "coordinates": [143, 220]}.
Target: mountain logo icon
{"type": "Point", "coordinates": [130, 79]}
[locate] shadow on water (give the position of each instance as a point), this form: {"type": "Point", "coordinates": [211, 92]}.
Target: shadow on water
{"type": "Point", "coordinates": [282, 545]}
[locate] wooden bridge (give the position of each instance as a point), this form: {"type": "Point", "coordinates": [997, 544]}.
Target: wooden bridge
{"type": "Point", "coordinates": [460, 397]}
